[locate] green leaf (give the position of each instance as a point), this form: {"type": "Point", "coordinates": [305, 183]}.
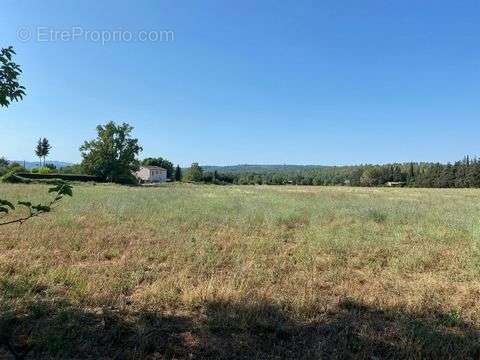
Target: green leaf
{"type": "Point", "coordinates": [66, 190]}
{"type": "Point", "coordinates": [55, 189]}
{"type": "Point", "coordinates": [62, 189]}
{"type": "Point", "coordinates": [41, 208]}
{"type": "Point", "coordinates": [25, 203]}
{"type": "Point", "coordinates": [7, 203]}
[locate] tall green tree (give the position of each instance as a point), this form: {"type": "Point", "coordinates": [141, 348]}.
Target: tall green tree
{"type": "Point", "coordinates": [46, 149]}
{"type": "Point", "coordinates": [42, 150]}
{"type": "Point", "coordinates": [10, 88]}
{"type": "Point", "coordinates": [39, 150]}
{"type": "Point", "coordinates": [194, 173]}
{"type": "Point", "coordinates": [113, 154]}
{"type": "Point", "coordinates": [178, 173]}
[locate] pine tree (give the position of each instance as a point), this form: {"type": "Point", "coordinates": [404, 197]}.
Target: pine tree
{"type": "Point", "coordinates": [39, 150]}
{"type": "Point", "coordinates": [411, 174]}
{"type": "Point", "coordinates": [178, 173]}
{"type": "Point", "coordinates": [45, 149]}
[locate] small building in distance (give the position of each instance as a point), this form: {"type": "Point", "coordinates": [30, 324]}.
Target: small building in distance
{"type": "Point", "coordinates": [151, 174]}
{"type": "Point", "coordinates": [395, 183]}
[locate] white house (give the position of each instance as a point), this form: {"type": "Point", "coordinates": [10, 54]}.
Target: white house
{"type": "Point", "coordinates": [151, 174]}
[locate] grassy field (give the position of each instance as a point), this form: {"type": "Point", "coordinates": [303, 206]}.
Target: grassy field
{"type": "Point", "coordinates": [185, 271]}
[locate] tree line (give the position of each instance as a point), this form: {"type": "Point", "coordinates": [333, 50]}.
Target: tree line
{"type": "Point", "coordinates": [461, 174]}
{"type": "Point", "coordinates": [113, 155]}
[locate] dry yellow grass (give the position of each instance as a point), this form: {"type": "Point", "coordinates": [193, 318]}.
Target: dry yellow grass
{"type": "Point", "coordinates": [184, 271]}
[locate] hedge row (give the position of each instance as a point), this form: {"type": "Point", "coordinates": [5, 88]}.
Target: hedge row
{"type": "Point", "coordinates": [66, 177]}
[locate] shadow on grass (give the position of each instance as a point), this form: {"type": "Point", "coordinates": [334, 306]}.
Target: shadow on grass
{"type": "Point", "coordinates": [222, 330]}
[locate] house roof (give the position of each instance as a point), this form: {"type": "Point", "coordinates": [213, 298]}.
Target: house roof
{"type": "Point", "coordinates": [150, 167]}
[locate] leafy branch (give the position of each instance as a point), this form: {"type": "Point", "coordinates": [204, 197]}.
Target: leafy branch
{"type": "Point", "coordinates": [60, 190]}
{"type": "Point", "coordinates": [10, 89]}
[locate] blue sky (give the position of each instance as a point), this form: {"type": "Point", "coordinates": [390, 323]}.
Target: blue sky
{"type": "Point", "coordinates": [298, 82]}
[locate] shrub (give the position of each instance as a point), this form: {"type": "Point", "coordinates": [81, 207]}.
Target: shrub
{"type": "Point", "coordinates": [41, 170]}
{"type": "Point", "coordinates": [72, 169]}
{"type": "Point", "coordinates": [194, 174]}
{"type": "Point", "coordinates": [16, 168]}
{"type": "Point", "coordinates": [127, 179]}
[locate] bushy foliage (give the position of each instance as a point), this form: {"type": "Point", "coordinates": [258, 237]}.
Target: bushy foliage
{"type": "Point", "coordinates": [75, 169]}
{"type": "Point", "coordinates": [10, 88]}
{"type": "Point", "coordinates": [41, 170]}
{"type": "Point", "coordinates": [213, 177]}
{"type": "Point", "coordinates": [178, 173]}
{"type": "Point", "coordinates": [42, 149]}
{"type": "Point", "coordinates": [112, 155]}
{"type": "Point", "coordinates": [12, 167]}
{"type": "Point", "coordinates": [464, 173]}
{"type": "Point", "coordinates": [194, 174]}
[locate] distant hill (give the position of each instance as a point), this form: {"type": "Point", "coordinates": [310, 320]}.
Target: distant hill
{"type": "Point", "coordinates": [32, 164]}
{"type": "Point", "coordinates": [246, 168]}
